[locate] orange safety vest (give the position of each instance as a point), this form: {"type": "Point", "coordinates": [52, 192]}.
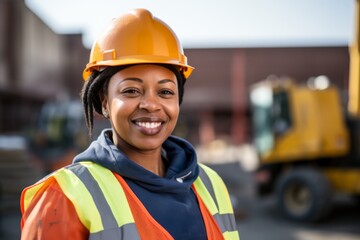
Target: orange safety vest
{"type": "Point", "coordinates": [97, 194]}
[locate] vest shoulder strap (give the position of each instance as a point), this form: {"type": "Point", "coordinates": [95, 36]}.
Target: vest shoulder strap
{"type": "Point", "coordinates": [214, 193]}
{"type": "Point", "coordinates": [95, 202]}
{"type": "Point", "coordinates": [217, 189]}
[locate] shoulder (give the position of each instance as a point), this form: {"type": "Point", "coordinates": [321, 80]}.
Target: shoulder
{"type": "Point", "coordinates": [74, 169]}
{"type": "Point", "coordinates": [216, 188]}
{"type": "Point", "coordinates": [47, 211]}
{"type": "Point", "coordinates": [59, 184]}
{"type": "Point", "coordinates": [40, 193]}
{"type": "Point", "coordinates": [50, 182]}
{"type": "Point", "coordinates": [212, 180]}
{"type": "Point", "coordinates": [206, 171]}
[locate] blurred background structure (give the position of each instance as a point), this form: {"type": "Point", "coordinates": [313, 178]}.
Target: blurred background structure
{"type": "Point", "coordinates": [42, 127]}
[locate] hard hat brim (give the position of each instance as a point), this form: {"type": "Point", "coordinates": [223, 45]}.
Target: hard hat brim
{"type": "Point", "coordinates": [186, 69]}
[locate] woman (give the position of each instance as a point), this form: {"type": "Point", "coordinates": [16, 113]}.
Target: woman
{"type": "Point", "coordinates": [136, 181]}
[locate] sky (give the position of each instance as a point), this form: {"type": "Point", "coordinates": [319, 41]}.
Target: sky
{"type": "Point", "coordinates": [214, 23]}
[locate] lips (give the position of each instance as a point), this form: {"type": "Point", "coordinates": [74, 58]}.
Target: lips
{"type": "Point", "coordinates": [149, 126]}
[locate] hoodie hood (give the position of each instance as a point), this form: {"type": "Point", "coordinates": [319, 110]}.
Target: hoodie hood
{"type": "Point", "coordinates": [182, 164]}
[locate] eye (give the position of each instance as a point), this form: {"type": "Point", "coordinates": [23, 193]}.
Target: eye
{"type": "Point", "coordinates": [166, 92]}
{"type": "Point", "coordinates": [131, 92]}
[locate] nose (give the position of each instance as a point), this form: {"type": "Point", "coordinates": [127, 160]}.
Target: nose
{"type": "Point", "coordinates": [149, 102]}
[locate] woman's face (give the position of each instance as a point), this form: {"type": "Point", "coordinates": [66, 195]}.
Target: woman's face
{"type": "Point", "coordinates": [143, 105]}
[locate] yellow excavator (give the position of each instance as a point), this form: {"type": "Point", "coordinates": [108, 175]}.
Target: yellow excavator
{"type": "Point", "coordinates": [308, 144]}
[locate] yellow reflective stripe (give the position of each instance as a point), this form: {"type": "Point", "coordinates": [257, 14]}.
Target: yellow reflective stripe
{"type": "Point", "coordinates": [234, 235]}
{"type": "Point", "coordinates": [113, 192]}
{"type": "Point", "coordinates": [220, 190]}
{"type": "Point", "coordinates": [30, 193]}
{"type": "Point", "coordinates": [225, 217]}
{"type": "Point", "coordinates": [205, 196]}
{"type": "Point", "coordinates": [83, 202]}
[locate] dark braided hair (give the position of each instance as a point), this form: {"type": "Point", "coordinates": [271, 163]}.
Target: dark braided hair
{"type": "Point", "coordinates": [97, 84]}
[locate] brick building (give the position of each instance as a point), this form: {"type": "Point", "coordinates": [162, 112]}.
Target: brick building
{"type": "Point", "coordinates": [36, 65]}
{"type": "Point", "coordinates": [216, 95]}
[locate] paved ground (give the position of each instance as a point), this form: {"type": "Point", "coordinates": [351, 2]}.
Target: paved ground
{"type": "Point", "coordinates": [264, 222]}
{"type": "Point", "coordinates": [259, 219]}
{"type": "Point", "coordinates": [9, 218]}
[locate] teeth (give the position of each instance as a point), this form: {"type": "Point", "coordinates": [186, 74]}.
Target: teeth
{"type": "Point", "coordinates": [149, 124]}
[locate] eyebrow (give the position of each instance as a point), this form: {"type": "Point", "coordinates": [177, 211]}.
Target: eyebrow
{"type": "Point", "coordinates": [163, 81]}
{"type": "Point", "coordinates": [132, 79]}
{"type": "Point", "coordinates": [166, 81]}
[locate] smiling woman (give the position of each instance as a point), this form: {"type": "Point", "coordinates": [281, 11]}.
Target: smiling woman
{"type": "Point", "coordinates": [136, 181]}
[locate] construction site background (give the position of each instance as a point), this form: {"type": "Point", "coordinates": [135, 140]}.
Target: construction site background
{"type": "Point", "coordinates": [41, 121]}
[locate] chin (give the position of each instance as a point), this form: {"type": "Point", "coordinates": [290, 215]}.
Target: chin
{"type": "Point", "coordinates": [148, 144]}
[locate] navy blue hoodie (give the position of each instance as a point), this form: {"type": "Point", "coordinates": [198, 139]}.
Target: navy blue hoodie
{"type": "Point", "coordinates": [170, 199]}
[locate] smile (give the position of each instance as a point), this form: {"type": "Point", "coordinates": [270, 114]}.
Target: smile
{"type": "Point", "coordinates": [148, 125]}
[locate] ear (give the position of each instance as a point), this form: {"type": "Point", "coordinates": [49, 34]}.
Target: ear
{"type": "Point", "coordinates": [103, 100]}
{"type": "Point", "coordinates": [104, 105]}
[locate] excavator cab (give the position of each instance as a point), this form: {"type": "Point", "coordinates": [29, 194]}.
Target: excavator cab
{"type": "Point", "coordinates": [294, 122]}
{"type": "Point", "coordinates": [271, 116]}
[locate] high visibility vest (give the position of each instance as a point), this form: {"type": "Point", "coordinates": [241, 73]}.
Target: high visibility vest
{"type": "Point", "coordinates": [97, 195]}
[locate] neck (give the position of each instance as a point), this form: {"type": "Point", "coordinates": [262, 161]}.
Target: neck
{"type": "Point", "coordinates": [151, 161]}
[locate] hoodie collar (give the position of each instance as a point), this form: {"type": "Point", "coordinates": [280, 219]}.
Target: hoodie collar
{"type": "Point", "coordinates": [181, 160]}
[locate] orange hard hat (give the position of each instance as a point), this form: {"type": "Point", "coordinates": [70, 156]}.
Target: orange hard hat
{"type": "Point", "coordinates": [134, 38]}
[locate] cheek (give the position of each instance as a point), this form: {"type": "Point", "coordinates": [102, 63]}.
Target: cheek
{"type": "Point", "coordinates": [174, 111]}
{"type": "Point", "coordinates": [117, 108]}
{"type": "Point", "coordinates": [116, 103]}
